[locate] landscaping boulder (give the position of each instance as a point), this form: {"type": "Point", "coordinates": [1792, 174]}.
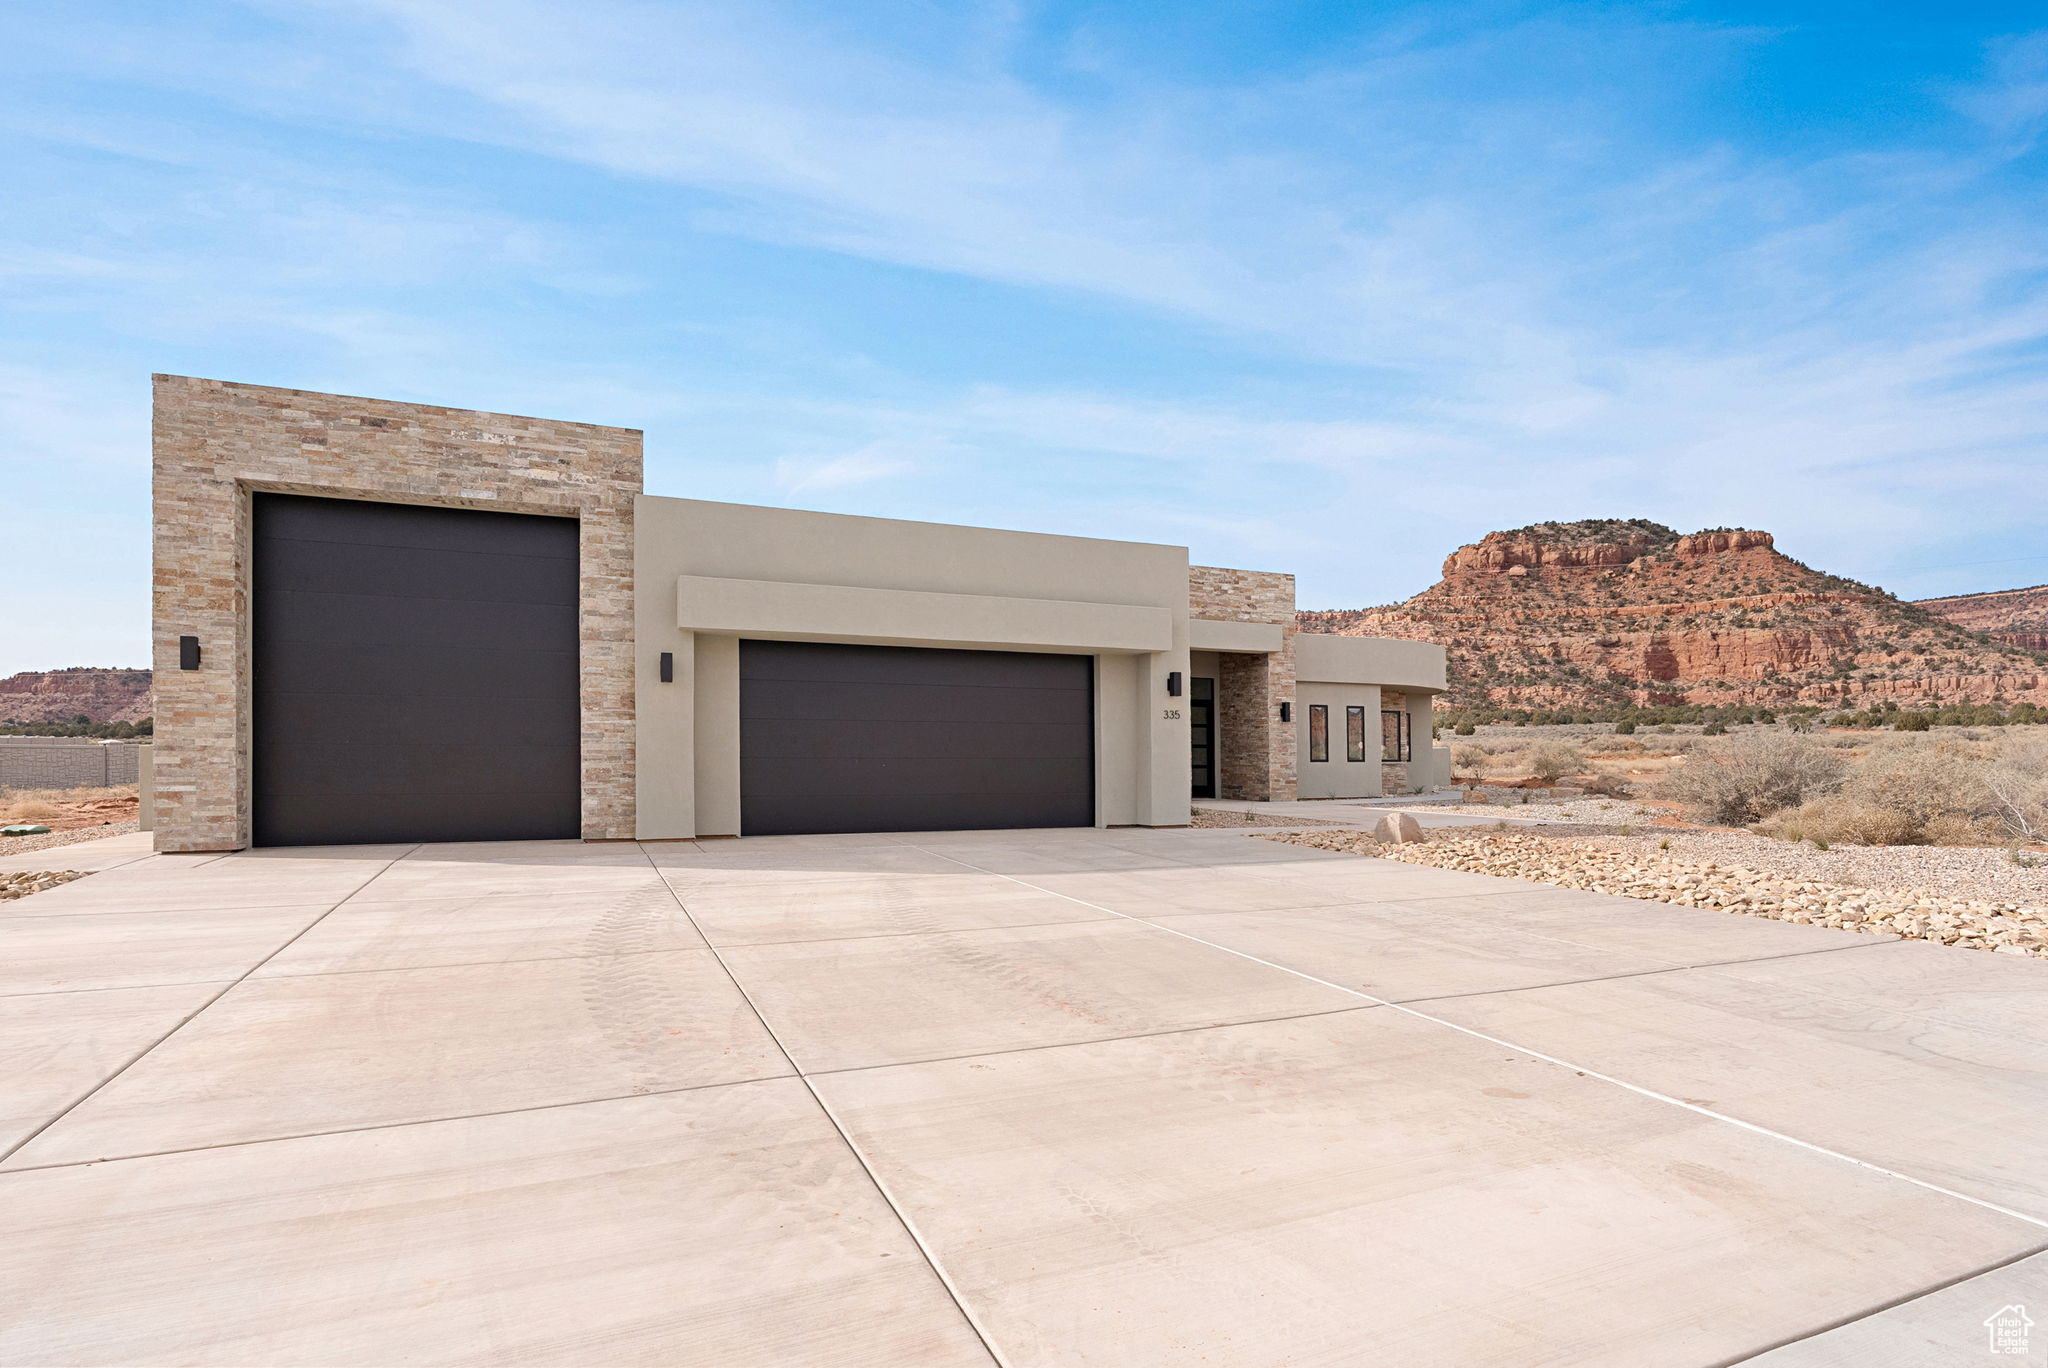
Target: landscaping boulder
{"type": "Point", "coordinates": [1397, 828]}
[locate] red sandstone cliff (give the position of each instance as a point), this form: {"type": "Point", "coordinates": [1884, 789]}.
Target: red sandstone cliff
{"type": "Point", "coordinates": [2018, 617]}
{"type": "Point", "coordinates": [1610, 612]}
{"type": "Point", "coordinates": [61, 695]}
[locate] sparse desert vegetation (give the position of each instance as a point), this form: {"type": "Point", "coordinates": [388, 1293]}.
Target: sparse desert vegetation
{"type": "Point", "coordinates": [73, 815]}
{"type": "Point", "coordinates": [1750, 776]}
{"type": "Point", "coordinates": [1960, 786]}
{"type": "Point", "coordinates": [1949, 814]}
{"type": "Point", "coordinates": [53, 805]}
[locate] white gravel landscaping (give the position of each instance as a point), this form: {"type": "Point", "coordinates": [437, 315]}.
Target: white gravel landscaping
{"type": "Point", "coordinates": [23, 845]}
{"type": "Point", "coordinates": [2010, 926]}
{"type": "Point", "coordinates": [1983, 872]}
{"type": "Point", "coordinates": [21, 883]}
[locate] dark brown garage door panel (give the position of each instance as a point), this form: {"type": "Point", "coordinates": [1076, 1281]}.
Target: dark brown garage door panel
{"type": "Point", "coordinates": [890, 738]}
{"type": "Point", "coordinates": [414, 673]}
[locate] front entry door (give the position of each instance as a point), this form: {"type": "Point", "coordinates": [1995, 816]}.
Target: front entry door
{"type": "Point", "coordinates": [1202, 735]}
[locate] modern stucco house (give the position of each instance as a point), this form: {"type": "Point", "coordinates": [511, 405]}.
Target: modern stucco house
{"type": "Point", "coordinates": [379, 621]}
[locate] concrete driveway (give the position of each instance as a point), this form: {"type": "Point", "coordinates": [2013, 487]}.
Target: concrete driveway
{"type": "Point", "coordinates": [1040, 1098]}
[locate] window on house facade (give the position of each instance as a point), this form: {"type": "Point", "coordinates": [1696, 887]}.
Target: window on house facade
{"type": "Point", "coordinates": [1394, 736]}
{"type": "Point", "coordinates": [1354, 734]}
{"type": "Point", "coordinates": [1318, 732]}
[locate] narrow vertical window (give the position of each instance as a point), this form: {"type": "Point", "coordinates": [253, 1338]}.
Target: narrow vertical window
{"type": "Point", "coordinates": [1394, 736]}
{"type": "Point", "coordinates": [1354, 734]}
{"type": "Point", "coordinates": [1318, 732]}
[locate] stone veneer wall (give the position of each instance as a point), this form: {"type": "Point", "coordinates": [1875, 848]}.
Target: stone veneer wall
{"type": "Point", "coordinates": [216, 442]}
{"type": "Point", "coordinates": [1394, 776]}
{"type": "Point", "coordinates": [1257, 747]}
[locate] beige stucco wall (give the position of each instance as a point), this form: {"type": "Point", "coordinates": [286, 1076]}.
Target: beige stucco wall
{"type": "Point", "coordinates": [713, 573]}
{"type": "Point", "coordinates": [1205, 634]}
{"type": "Point", "coordinates": [1339, 776]}
{"type": "Point", "coordinates": [803, 611]}
{"type": "Point", "coordinates": [1388, 661]}
{"type": "Point", "coordinates": [215, 443]}
{"type": "Point", "coordinates": [1400, 674]}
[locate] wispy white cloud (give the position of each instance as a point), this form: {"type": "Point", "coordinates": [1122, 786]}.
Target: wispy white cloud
{"type": "Point", "coordinates": [874, 461]}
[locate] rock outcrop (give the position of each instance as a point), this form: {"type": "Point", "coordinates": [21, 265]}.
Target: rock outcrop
{"type": "Point", "coordinates": [2017, 617]}
{"type": "Point", "coordinates": [1611, 612]}
{"type": "Point", "coordinates": [65, 695]}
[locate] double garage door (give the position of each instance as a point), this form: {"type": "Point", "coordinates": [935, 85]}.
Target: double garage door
{"type": "Point", "coordinates": [414, 677]}
{"type": "Point", "coordinates": [889, 738]}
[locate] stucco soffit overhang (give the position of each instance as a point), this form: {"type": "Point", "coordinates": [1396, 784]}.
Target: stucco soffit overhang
{"type": "Point", "coordinates": [1417, 666]}
{"type": "Point", "coordinates": [1211, 634]}
{"type": "Point", "coordinates": [840, 612]}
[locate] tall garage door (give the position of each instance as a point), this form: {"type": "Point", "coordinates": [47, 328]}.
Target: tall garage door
{"type": "Point", "coordinates": [414, 673]}
{"type": "Point", "coordinates": [890, 738]}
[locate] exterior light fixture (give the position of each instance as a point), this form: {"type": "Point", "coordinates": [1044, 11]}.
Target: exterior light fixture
{"type": "Point", "coordinates": [1173, 684]}
{"type": "Point", "coordinates": [1286, 712]}
{"type": "Point", "coordinates": [668, 667]}
{"type": "Point", "coordinates": [188, 652]}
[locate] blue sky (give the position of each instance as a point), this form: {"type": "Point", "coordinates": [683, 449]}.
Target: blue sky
{"type": "Point", "coordinates": [1322, 287]}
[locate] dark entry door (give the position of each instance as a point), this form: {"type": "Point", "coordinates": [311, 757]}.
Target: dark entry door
{"type": "Point", "coordinates": [414, 674]}
{"type": "Point", "coordinates": [1202, 735]}
{"type": "Point", "coordinates": [893, 738]}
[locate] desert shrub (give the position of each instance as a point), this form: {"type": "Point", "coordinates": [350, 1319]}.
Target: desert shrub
{"type": "Point", "coordinates": [1753, 776]}
{"type": "Point", "coordinates": [1468, 759]}
{"type": "Point", "coordinates": [2017, 784]}
{"type": "Point", "coordinates": [1837, 819]}
{"type": "Point", "coordinates": [1625, 727]}
{"type": "Point", "coordinates": [1913, 721]}
{"type": "Point", "coordinates": [1902, 795]}
{"type": "Point", "coordinates": [1921, 783]}
{"type": "Point", "coordinates": [1550, 761]}
{"type": "Point", "coordinates": [1463, 729]}
{"type": "Point", "coordinates": [1508, 758]}
{"type": "Point", "coordinates": [1954, 829]}
{"type": "Point", "coordinates": [1846, 819]}
{"type": "Point", "coordinates": [1714, 728]}
{"type": "Point", "coordinates": [1609, 785]}
{"type": "Point", "coordinates": [9, 796]}
{"type": "Point", "coordinates": [29, 810]}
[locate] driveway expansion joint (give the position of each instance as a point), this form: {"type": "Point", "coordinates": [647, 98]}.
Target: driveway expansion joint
{"type": "Point", "coordinates": [1903, 1299]}
{"type": "Point", "coordinates": [910, 1228]}
{"type": "Point", "coordinates": [189, 1017]}
{"type": "Point", "coordinates": [1631, 974]}
{"type": "Point", "coordinates": [1547, 1057]}
{"type": "Point", "coordinates": [7, 1173]}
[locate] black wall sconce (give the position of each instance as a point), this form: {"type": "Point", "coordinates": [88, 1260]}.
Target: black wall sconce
{"type": "Point", "coordinates": [1286, 712]}
{"type": "Point", "coordinates": [1173, 684]}
{"type": "Point", "coordinates": [668, 667]}
{"type": "Point", "coordinates": [188, 653]}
